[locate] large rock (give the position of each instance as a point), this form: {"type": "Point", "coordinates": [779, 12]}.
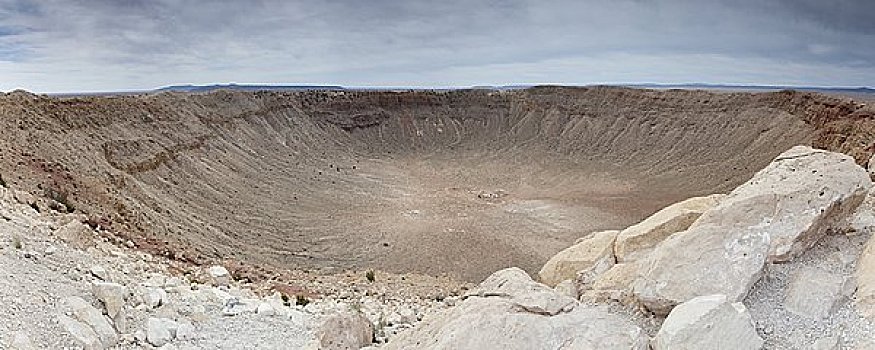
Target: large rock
{"type": "Point", "coordinates": [590, 257]}
{"type": "Point", "coordinates": [639, 239]}
{"type": "Point", "coordinates": [815, 293]}
{"type": "Point", "coordinates": [803, 194]}
{"type": "Point", "coordinates": [100, 324]}
{"type": "Point", "coordinates": [344, 331]}
{"type": "Point", "coordinates": [494, 319]}
{"type": "Point", "coordinates": [780, 212]}
{"type": "Point", "coordinates": [82, 333]}
{"type": "Point", "coordinates": [111, 295]}
{"type": "Point", "coordinates": [708, 322]}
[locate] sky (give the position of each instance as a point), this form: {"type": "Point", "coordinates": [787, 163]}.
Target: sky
{"type": "Point", "coordinates": [112, 45]}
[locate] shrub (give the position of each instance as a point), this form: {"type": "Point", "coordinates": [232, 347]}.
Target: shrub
{"type": "Point", "coordinates": [60, 197]}
{"type": "Point", "coordinates": [370, 276]}
{"type": "Point", "coordinates": [301, 300]}
{"type": "Point", "coordinates": [16, 242]}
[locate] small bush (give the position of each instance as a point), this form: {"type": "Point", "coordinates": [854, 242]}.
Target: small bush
{"type": "Point", "coordinates": [286, 301]}
{"type": "Point", "coordinates": [16, 242]}
{"type": "Point", "coordinates": [60, 197]}
{"type": "Point", "coordinates": [301, 300]}
{"type": "Point", "coordinates": [370, 276]}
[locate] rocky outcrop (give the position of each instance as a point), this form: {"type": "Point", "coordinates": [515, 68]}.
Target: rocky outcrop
{"type": "Point", "coordinates": [583, 261]}
{"type": "Point", "coordinates": [708, 322]}
{"type": "Point", "coordinates": [510, 311]}
{"type": "Point", "coordinates": [637, 240]}
{"type": "Point", "coordinates": [344, 331]}
{"type": "Point", "coordinates": [803, 194]}
{"type": "Point", "coordinates": [780, 212]}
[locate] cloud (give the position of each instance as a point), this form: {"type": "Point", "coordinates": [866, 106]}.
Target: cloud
{"type": "Point", "coordinates": [79, 45]}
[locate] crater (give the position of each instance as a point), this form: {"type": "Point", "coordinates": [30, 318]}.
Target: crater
{"type": "Point", "coordinates": [456, 183]}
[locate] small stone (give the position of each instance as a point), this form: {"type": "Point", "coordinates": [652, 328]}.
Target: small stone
{"type": "Point", "coordinates": [154, 297]}
{"type": "Point", "coordinates": [99, 272]}
{"type": "Point", "coordinates": [185, 331]}
{"type": "Point", "coordinates": [220, 275]}
{"type": "Point", "coordinates": [51, 250]}
{"type": "Point", "coordinates": [265, 309]}
{"type": "Point", "coordinates": [160, 331]}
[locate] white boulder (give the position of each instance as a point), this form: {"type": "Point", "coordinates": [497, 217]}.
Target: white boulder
{"type": "Point", "coordinates": [91, 316]}
{"type": "Point", "coordinates": [590, 257]}
{"type": "Point", "coordinates": [219, 275]}
{"type": "Point", "coordinates": [637, 240]}
{"type": "Point", "coordinates": [780, 212]}
{"type": "Point", "coordinates": [82, 333]}
{"type": "Point", "coordinates": [708, 322]}
{"type": "Point", "coordinates": [160, 331]}
{"type": "Point", "coordinates": [346, 330]}
{"type": "Point", "coordinates": [502, 316]}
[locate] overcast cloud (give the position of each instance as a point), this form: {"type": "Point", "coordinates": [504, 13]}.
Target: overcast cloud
{"type": "Point", "coordinates": [80, 45]}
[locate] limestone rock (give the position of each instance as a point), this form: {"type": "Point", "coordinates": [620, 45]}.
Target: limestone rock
{"type": "Point", "coordinates": [566, 288]}
{"type": "Point", "coordinates": [708, 322]}
{"type": "Point", "coordinates": [83, 334]}
{"type": "Point", "coordinates": [615, 284]}
{"type": "Point", "coordinates": [100, 324]}
{"type": "Point", "coordinates": [865, 276]}
{"type": "Point", "coordinates": [219, 275]}
{"type": "Point", "coordinates": [780, 212]}
{"type": "Point", "coordinates": [346, 330]}
{"type": "Point", "coordinates": [515, 284]}
{"type": "Point", "coordinates": [111, 295]}
{"type": "Point", "coordinates": [185, 331]}
{"type": "Point", "coordinates": [638, 239]}
{"type": "Point", "coordinates": [590, 257]}
{"type": "Point", "coordinates": [265, 309]}
{"type": "Point", "coordinates": [796, 200]}
{"type": "Point", "coordinates": [816, 293]}
{"type": "Point", "coordinates": [160, 331]}
{"type": "Point", "coordinates": [702, 261]}
{"type": "Point", "coordinates": [498, 321]}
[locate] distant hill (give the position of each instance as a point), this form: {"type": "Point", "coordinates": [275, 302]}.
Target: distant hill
{"type": "Point", "coordinates": [841, 90]}
{"type": "Point", "coordinates": [206, 88]}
